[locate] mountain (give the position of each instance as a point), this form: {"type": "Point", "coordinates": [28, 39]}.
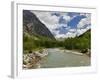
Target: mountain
{"type": "Point", "coordinates": [80, 42]}
{"type": "Point", "coordinates": [87, 34]}
{"type": "Point", "coordinates": [33, 26]}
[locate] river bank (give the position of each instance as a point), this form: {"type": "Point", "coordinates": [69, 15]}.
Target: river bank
{"type": "Point", "coordinates": [54, 57]}
{"type": "Point", "coordinates": [71, 51]}
{"type": "Point", "coordinates": [77, 52]}
{"type": "Point", "coordinates": [33, 58]}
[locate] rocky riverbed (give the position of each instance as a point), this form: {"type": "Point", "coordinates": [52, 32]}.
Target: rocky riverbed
{"type": "Point", "coordinates": [33, 58]}
{"type": "Point", "coordinates": [55, 57]}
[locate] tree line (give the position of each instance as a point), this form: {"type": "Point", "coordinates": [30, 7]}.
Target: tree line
{"type": "Point", "coordinates": [32, 42]}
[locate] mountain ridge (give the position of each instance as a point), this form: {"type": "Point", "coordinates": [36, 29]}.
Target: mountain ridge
{"type": "Point", "coordinates": [33, 26]}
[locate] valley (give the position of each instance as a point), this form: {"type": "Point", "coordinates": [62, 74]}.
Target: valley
{"type": "Point", "coordinates": [41, 49]}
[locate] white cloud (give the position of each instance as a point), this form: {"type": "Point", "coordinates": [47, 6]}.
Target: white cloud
{"type": "Point", "coordinates": [81, 31]}
{"type": "Point", "coordinates": [72, 30]}
{"type": "Point", "coordinates": [60, 36]}
{"type": "Point", "coordinates": [84, 21]}
{"type": "Point", "coordinates": [45, 17]}
{"type": "Point", "coordinates": [70, 34]}
{"type": "Point", "coordinates": [81, 28]}
{"type": "Point", "coordinates": [52, 23]}
{"type": "Point", "coordinates": [67, 18]}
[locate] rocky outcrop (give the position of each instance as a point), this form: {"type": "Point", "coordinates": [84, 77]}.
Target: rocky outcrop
{"type": "Point", "coordinates": [32, 60]}
{"type": "Point", "coordinates": [33, 26]}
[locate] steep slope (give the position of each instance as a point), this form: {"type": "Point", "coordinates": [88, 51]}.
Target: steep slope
{"type": "Point", "coordinates": [81, 42]}
{"type": "Point", "coordinates": [33, 25]}
{"type": "Point", "coordinates": [87, 34]}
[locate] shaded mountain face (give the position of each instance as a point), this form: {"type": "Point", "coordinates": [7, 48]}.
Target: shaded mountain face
{"type": "Point", "coordinates": [33, 26]}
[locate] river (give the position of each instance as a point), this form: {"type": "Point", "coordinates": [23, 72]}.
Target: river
{"type": "Point", "coordinates": [57, 58]}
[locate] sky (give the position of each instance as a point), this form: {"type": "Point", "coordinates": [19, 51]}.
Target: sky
{"type": "Point", "coordinates": [65, 24]}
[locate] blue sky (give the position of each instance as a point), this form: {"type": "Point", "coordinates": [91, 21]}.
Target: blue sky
{"type": "Point", "coordinates": [65, 24]}
{"type": "Point", "coordinates": [73, 23]}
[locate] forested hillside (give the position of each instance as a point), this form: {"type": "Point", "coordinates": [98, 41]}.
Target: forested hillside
{"type": "Point", "coordinates": [33, 42]}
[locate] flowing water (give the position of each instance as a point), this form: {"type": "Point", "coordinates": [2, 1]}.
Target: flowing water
{"type": "Point", "coordinates": [57, 58]}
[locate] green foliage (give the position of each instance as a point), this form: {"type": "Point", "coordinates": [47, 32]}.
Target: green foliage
{"type": "Point", "coordinates": [34, 42]}
{"type": "Point", "coordinates": [81, 42]}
